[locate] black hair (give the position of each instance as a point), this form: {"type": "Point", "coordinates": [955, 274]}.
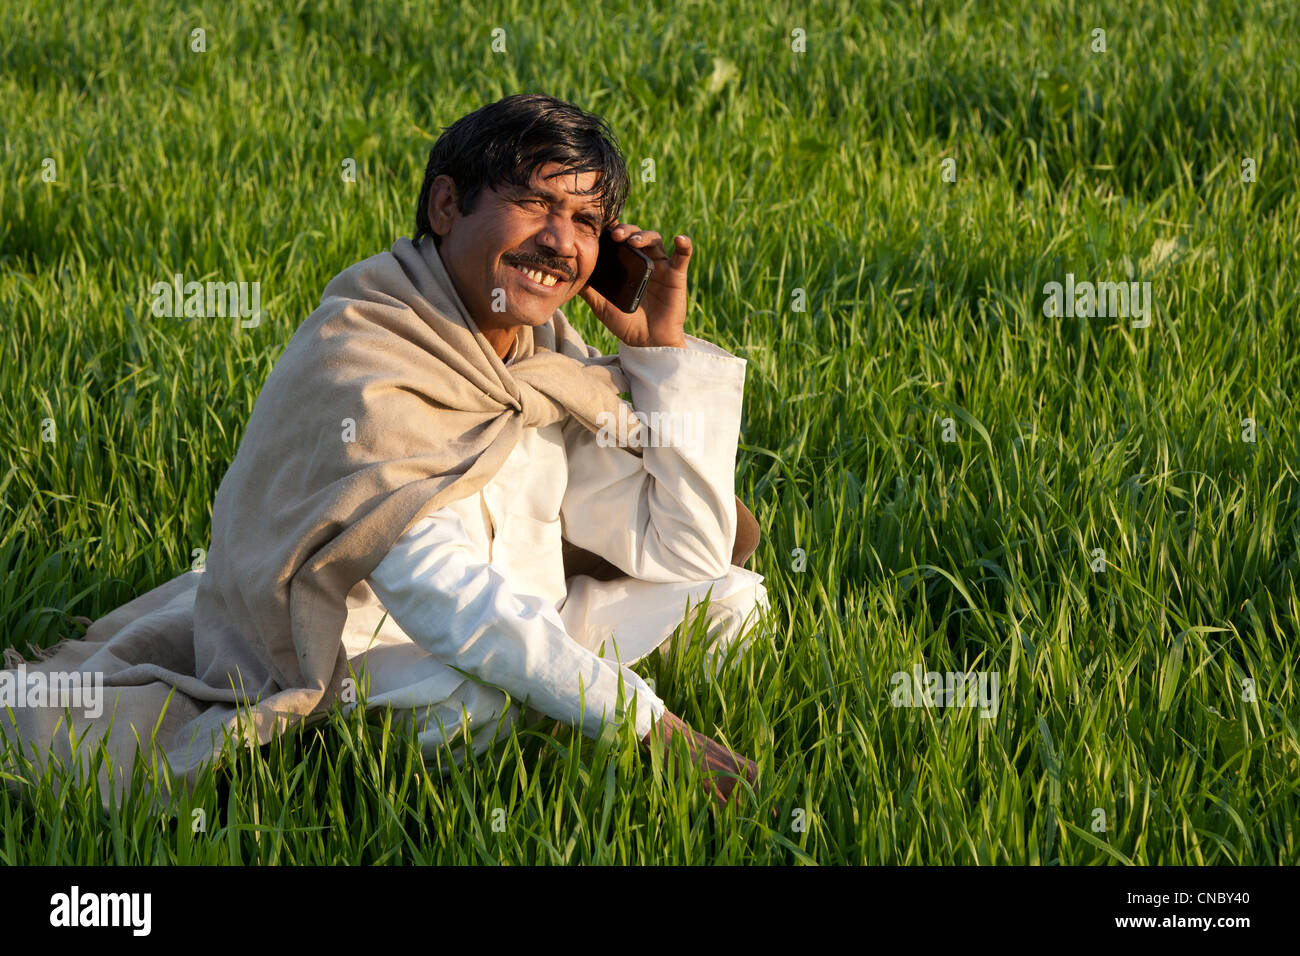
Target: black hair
{"type": "Point", "coordinates": [507, 141]}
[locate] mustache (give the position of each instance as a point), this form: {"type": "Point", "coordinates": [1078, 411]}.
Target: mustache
{"type": "Point", "coordinates": [559, 268]}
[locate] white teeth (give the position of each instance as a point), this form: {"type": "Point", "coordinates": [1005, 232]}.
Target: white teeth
{"type": "Point", "coordinates": [542, 277]}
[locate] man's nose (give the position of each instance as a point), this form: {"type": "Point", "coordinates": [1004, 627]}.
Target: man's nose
{"type": "Point", "coordinates": [558, 238]}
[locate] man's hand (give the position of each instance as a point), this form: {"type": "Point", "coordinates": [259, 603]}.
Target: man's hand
{"type": "Point", "coordinates": [710, 755]}
{"type": "Point", "coordinates": [661, 317]}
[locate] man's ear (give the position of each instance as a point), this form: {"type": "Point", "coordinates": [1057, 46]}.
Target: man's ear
{"type": "Point", "coordinates": [442, 204]}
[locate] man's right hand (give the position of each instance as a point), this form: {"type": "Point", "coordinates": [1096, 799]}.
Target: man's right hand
{"type": "Point", "coordinates": [712, 757]}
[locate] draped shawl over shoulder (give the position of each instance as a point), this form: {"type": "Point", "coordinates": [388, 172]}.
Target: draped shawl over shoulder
{"type": "Point", "coordinates": [386, 404]}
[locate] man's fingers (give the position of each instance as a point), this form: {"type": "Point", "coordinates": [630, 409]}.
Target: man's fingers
{"type": "Point", "coordinates": [682, 249]}
{"type": "Point", "coordinates": [649, 242]}
{"type": "Point", "coordinates": [721, 767]}
{"type": "Point", "coordinates": [652, 244]}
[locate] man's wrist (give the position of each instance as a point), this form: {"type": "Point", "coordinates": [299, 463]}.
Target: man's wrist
{"type": "Point", "coordinates": [676, 343]}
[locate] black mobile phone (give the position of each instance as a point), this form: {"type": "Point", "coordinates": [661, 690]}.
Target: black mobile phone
{"type": "Point", "coordinates": [621, 274]}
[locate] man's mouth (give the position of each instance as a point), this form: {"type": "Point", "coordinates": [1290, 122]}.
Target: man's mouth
{"type": "Point", "coordinates": [541, 278]}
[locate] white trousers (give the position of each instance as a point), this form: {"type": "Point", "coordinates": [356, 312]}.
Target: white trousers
{"type": "Point", "coordinates": [622, 620]}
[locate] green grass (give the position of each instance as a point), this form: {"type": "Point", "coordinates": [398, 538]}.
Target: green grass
{"type": "Point", "coordinates": [818, 172]}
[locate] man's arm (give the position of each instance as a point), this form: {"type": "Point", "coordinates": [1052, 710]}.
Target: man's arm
{"type": "Point", "coordinates": [670, 514]}
{"type": "Point", "coordinates": [465, 614]}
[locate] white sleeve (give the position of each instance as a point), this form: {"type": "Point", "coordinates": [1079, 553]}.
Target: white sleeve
{"type": "Point", "coordinates": [465, 614]}
{"type": "Point", "coordinates": [669, 515]}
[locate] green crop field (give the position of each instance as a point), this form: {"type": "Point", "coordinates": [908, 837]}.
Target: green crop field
{"type": "Point", "coordinates": [951, 475]}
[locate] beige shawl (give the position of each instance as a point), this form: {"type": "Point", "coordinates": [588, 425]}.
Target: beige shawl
{"type": "Point", "coordinates": [387, 404]}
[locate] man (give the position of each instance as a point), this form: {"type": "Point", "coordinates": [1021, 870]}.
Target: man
{"type": "Point", "coordinates": [420, 457]}
{"type": "Point", "coordinates": [517, 242]}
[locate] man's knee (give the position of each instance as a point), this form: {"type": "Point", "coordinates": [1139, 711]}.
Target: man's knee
{"type": "Point", "coordinates": [735, 615]}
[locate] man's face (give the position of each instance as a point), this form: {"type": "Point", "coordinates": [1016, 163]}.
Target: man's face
{"type": "Point", "coordinates": [547, 226]}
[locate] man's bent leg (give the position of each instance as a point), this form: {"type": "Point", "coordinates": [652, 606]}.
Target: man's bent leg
{"type": "Point", "coordinates": [633, 618]}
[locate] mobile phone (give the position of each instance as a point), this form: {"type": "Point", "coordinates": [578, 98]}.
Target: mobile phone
{"type": "Point", "coordinates": [621, 274]}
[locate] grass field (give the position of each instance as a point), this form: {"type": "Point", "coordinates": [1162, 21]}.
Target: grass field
{"type": "Point", "coordinates": [948, 458]}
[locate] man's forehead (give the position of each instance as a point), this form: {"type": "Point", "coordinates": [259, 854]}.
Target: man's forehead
{"type": "Point", "coordinates": [565, 184]}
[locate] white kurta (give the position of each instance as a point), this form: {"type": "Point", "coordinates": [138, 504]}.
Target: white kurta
{"type": "Point", "coordinates": [472, 600]}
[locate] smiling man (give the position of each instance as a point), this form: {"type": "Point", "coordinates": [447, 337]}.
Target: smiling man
{"type": "Point", "coordinates": [421, 515]}
{"type": "Point", "coordinates": [541, 234]}
{"type": "Point", "coordinates": [514, 201]}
